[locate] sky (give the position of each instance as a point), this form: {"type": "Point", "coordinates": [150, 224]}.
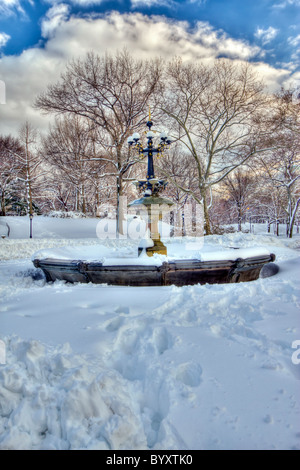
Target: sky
{"type": "Point", "coordinates": [37, 39]}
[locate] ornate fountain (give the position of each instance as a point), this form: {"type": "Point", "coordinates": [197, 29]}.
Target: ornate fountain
{"type": "Point", "coordinates": [228, 266]}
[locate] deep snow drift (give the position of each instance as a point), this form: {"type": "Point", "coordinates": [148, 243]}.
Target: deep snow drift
{"type": "Point", "coordinates": [107, 367]}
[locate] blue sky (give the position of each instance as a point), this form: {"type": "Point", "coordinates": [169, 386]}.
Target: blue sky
{"type": "Point", "coordinates": [38, 38]}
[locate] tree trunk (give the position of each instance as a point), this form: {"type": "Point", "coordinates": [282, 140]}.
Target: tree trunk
{"type": "Point", "coordinates": [292, 219]}
{"type": "Point", "coordinates": [207, 228]}
{"type": "Point", "coordinates": [239, 222]}
{"type": "Point", "coordinates": [120, 207]}
{"type": "Point", "coordinates": [28, 184]}
{"type": "Point", "coordinates": [97, 202]}
{"type": "Point", "coordinates": [3, 210]}
{"type": "Point", "coordinates": [83, 207]}
{"type": "Point", "coordinates": [172, 222]}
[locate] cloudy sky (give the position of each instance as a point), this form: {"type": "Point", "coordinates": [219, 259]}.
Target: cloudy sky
{"type": "Point", "coordinates": [38, 38]}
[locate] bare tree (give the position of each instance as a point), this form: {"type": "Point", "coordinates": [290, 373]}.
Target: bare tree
{"type": "Point", "coordinates": [281, 166]}
{"type": "Point", "coordinates": [213, 111]}
{"type": "Point", "coordinates": [269, 201]}
{"type": "Point", "coordinates": [239, 186]}
{"type": "Point", "coordinates": [67, 148]}
{"type": "Point", "coordinates": [11, 169]}
{"type": "Point", "coordinates": [29, 161]}
{"type": "Point", "coordinates": [178, 166]}
{"type": "Point", "coordinates": [113, 92]}
{"type": "Point", "coordinates": [26, 161]}
{"type": "Point", "coordinates": [282, 170]}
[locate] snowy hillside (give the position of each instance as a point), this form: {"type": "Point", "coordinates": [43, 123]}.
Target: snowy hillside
{"type": "Point", "coordinates": [104, 367]}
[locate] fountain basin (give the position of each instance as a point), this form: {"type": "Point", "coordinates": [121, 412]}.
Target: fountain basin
{"type": "Point", "coordinates": [238, 265]}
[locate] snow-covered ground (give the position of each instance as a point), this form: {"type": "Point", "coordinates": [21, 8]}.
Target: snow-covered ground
{"type": "Point", "coordinates": [104, 367]}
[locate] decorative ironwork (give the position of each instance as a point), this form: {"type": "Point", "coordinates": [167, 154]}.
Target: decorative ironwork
{"type": "Point", "coordinates": [151, 185]}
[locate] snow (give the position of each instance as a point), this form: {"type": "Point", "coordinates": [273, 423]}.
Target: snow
{"type": "Point", "coordinates": [107, 367]}
{"type": "Point", "coordinates": [110, 256]}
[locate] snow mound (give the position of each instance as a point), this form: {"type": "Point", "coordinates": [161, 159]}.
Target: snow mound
{"type": "Point", "coordinates": [52, 399]}
{"type": "Point", "coordinates": [17, 249]}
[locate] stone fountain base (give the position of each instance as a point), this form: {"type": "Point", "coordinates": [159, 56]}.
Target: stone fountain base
{"type": "Point", "coordinates": [179, 272]}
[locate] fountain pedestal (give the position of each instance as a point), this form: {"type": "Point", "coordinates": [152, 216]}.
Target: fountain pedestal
{"type": "Point", "coordinates": [158, 247]}
{"type": "Point", "coordinates": [154, 206]}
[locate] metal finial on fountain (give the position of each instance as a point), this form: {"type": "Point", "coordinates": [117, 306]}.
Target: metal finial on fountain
{"type": "Point", "coordinates": [149, 123]}
{"type": "Point", "coordinates": [151, 186]}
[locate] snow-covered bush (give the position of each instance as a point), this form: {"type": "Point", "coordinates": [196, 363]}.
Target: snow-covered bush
{"type": "Point", "coordinates": [221, 229]}
{"type": "Point", "coordinates": [66, 215]}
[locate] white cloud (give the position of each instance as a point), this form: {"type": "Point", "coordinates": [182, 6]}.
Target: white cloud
{"type": "Point", "coordinates": [200, 2]}
{"type": "Point", "coordinates": [158, 3]}
{"type": "Point", "coordinates": [156, 35]}
{"type": "Point", "coordinates": [286, 3]}
{"type": "Point", "coordinates": [85, 3]}
{"type": "Point", "coordinates": [272, 78]}
{"type": "Point", "coordinates": [82, 3]}
{"type": "Point", "coordinates": [54, 18]}
{"type": "Point", "coordinates": [28, 74]}
{"type": "Point", "coordinates": [294, 41]}
{"type": "Point", "coordinates": [152, 3]}
{"type": "Point", "coordinates": [7, 7]}
{"type": "Point", "coordinates": [3, 39]}
{"type": "Point", "coordinates": [218, 43]}
{"type": "Point", "coordinates": [294, 81]}
{"type": "Point", "coordinates": [141, 34]}
{"type": "Point", "coordinates": [266, 35]}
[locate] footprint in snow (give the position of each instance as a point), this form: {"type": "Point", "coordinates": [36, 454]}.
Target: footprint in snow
{"type": "Point", "coordinates": [121, 309]}
{"type": "Point", "coordinates": [115, 324]}
{"type": "Point", "coordinates": [189, 374]}
{"type": "Point", "coordinates": [162, 339]}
